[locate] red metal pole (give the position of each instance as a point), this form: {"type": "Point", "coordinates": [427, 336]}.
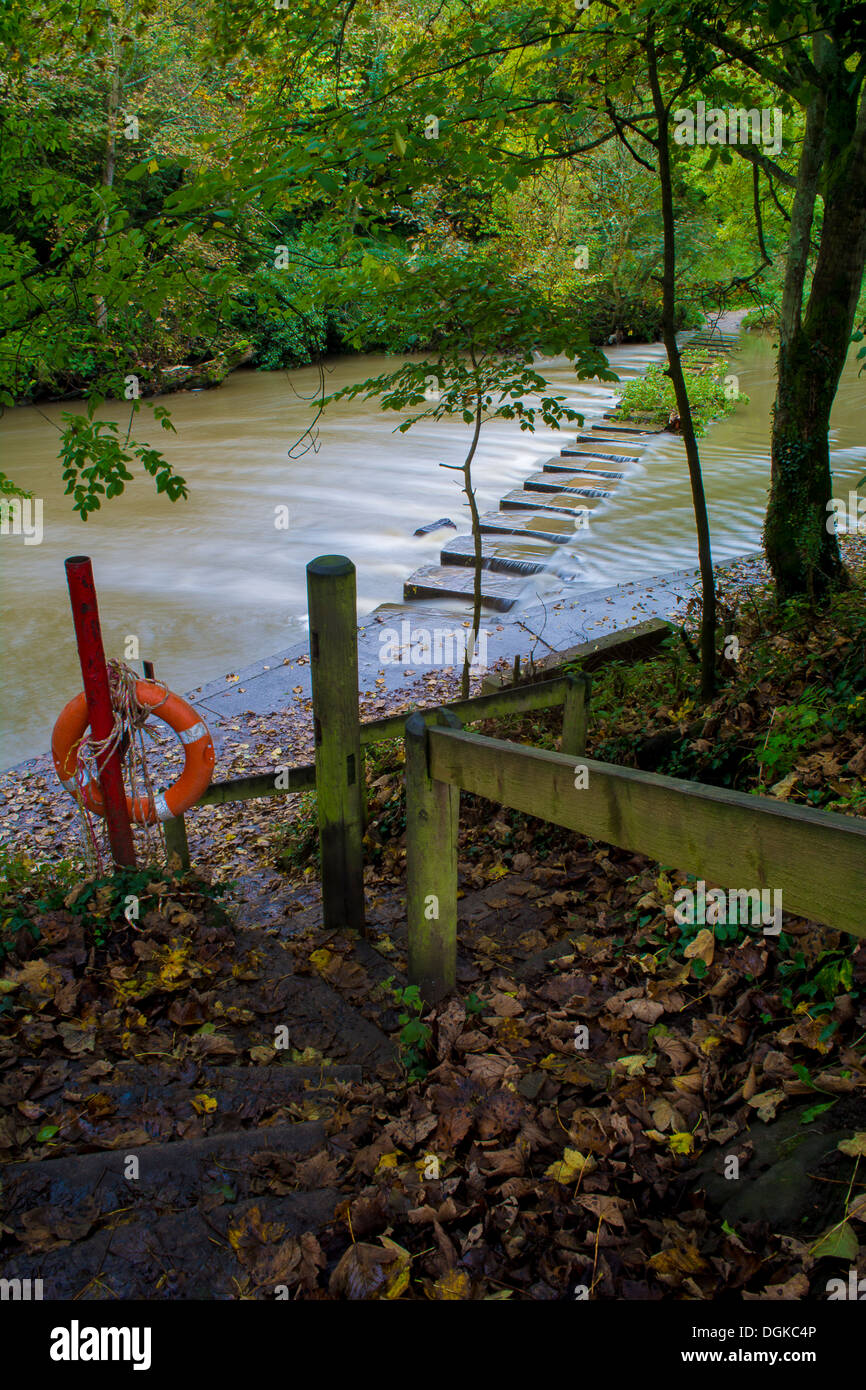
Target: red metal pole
{"type": "Point", "coordinates": [88, 635]}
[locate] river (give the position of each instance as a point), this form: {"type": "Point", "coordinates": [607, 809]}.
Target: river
{"type": "Point", "coordinates": [211, 584]}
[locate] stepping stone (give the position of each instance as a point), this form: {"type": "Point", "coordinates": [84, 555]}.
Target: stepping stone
{"type": "Point", "coordinates": [436, 526]}
{"type": "Point", "coordinates": [458, 581]}
{"type": "Point", "coordinates": [557, 479]}
{"type": "Point", "coordinates": [549, 528]}
{"type": "Point", "coordinates": [603, 442]}
{"type": "Point", "coordinates": [500, 556]}
{"type": "Point", "coordinates": [575, 481]}
{"type": "Point", "coordinates": [623, 429]}
{"type": "Point", "coordinates": [579, 453]}
{"type": "Point", "coordinates": [592, 477]}
{"type": "Point", "coordinates": [569, 503]}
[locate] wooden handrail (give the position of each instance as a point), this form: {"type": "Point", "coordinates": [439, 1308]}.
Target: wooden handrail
{"type": "Point", "coordinates": [817, 859]}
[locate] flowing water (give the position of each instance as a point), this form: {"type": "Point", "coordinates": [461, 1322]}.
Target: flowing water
{"type": "Point", "coordinates": [212, 584]}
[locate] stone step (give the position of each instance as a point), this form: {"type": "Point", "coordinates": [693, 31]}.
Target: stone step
{"type": "Point", "coordinates": [608, 441]}
{"type": "Point", "coordinates": [549, 528]}
{"type": "Point", "coordinates": [568, 503]}
{"type": "Point", "coordinates": [502, 557]}
{"type": "Point", "coordinates": [157, 1254]}
{"type": "Point", "coordinates": [563, 466]}
{"type": "Point", "coordinates": [600, 455]}
{"type": "Point", "coordinates": [157, 1101]}
{"type": "Point", "coordinates": [631, 428]}
{"type": "Point", "coordinates": [559, 481]}
{"type": "Point", "coordinates": [173, 1172]}
{"type": "Point", "coordinates": [498, 591]}
{"type": "Point", "coordinates": [563, 480]}
{"type": "Point", "coordinates": [593, 475]}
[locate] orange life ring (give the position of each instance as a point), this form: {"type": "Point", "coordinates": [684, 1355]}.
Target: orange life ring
{"type": "Point", "coordinates": [192, 731]}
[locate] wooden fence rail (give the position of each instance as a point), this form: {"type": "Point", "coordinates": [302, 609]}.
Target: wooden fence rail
{"type": "Point", "coordinates": [817, 859]}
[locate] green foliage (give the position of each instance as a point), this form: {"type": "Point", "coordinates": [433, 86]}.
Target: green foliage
{"type": "Point", "coordinates": [92, 451]}
{"type": "Point", "coordinates": [652, 396]}
{"type": "Point", "coordinates": [415, 1036]}
{"type": "Point", "coordinates": [100, 902]}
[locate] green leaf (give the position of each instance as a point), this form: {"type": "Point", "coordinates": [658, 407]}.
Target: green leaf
{"type": "Point", "coordinates": [839, 1243]}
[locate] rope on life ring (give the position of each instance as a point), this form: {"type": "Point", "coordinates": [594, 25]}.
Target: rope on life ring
{"type": "Point", "coordinates": [71, 727]}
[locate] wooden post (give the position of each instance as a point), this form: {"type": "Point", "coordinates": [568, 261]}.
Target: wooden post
{"type": "Point", "coordinates": [91, 654]}
{"type": "Point", "coordinates": [339, 772]}
{"type": "Point", "coordinates": [432, 821]}
{"type": "Point", "coordinates": [176, 842]}
{"type": "Point", "coordinates": [575, 713]}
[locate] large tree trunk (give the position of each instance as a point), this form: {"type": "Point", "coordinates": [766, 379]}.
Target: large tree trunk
{"type": "Point", "coordinates": [803, 554]}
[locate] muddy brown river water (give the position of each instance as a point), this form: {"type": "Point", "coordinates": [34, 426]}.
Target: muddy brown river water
{"type": "Point", "coordinates": [211, 584]}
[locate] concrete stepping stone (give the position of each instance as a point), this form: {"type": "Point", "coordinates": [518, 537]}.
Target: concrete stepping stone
{"type": "Point", "coordinates": [568, 502]}
{"type": "Point", "coordinates": [593, 474]}
{"type": "Point", "coordinates": [576, 451]}
{"type": "Point", "coordinates": [563, 480]}
{"type": "Point", "coordinates": [628, 427]}
{"type": "Point", "coordinates": [549, 528]}
{"type": "Point", "coordinates": [498, 591]}
{"type": "Point", "coordinates": [501, 556]}
{"type": "Point", "coordinates": [584, 486]}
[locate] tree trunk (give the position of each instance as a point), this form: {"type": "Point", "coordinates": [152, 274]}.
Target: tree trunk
{"type": "Point", "coordinates": [803, 554]}
{"type": "Point", "coordinates": [112, 105]}
{"type": "Point", "coordinates": [675, 372]}
{"type": "Point", "coordinates": [476, 535]}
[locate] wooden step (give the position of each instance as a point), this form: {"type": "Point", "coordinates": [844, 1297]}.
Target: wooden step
{"type": "Point", "coordinates": [498, 591]}
{"type": "Point", "coordinates": [501, 556]}
{"type": "Point", "coordinates": [570, 503]}
{"type": "Point", "coordinates": [556, 479]}
{"type": "Point", "coordinates": [548, 528]}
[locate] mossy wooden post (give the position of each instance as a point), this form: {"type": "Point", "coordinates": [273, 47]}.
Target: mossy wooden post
{"type": "Point", "coordinates": [432, 818]}
{"type": "Point", "coordinates": [332, 604]}
{"type": "Point", "coordinates": [575, 713]}
{"type": "Point", "coordinates": [176, 842]}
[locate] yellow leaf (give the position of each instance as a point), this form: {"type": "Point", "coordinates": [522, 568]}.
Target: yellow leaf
{"type": "Point", "coordinates": [495, 872]}
{"type": "Point", "coordinates": [636, 1064]}
{"type": "Point", "coordinates": [454, 1284]}
{"type": "Point", "coordinates": [702, 947]}
{"type": "Point", "coordinates": [570, 1166]}
{"type": "Point", "coordinates": [682, 1142]}
{"type": "Point", "coordinates": [664, 888]}
{"type": "Point", "coordinates": [388, 1161]}
{"type": "Point", "coordinates": [320, 959]}
{"type": "Point", "coordinates": [400, 1278]}
{"type": "Point", "coordinates": [203, 1105]}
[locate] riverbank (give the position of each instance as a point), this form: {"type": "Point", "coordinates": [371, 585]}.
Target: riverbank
{"type": "Point", "coordinates": [261, 716]}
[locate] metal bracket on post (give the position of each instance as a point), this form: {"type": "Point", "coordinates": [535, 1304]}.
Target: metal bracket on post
{"type": "Point", "coordinates": [332, 603]}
